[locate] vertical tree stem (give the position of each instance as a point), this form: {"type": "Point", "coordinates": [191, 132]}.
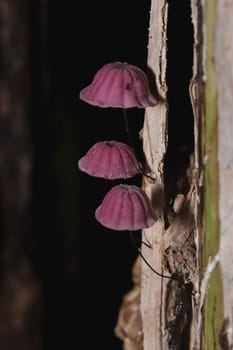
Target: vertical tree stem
{"type": "Point", "coordinates": [154, 145]}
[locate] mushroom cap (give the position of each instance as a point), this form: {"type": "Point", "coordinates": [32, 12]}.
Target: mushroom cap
{"type": "Point", "coordinates": [125, 207]}
{"type": "Point", "coordinates": [110, 160]}
{"type": "Point", "coordinates": [119, 85]}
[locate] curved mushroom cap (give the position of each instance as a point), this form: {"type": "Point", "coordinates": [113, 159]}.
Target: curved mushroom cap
{"type": "Point", "coordinates": [110, 160]}
{"type": "Point", "coordinates": [125, 207]}
{"type": "Point", "coordinates": [121, 85]}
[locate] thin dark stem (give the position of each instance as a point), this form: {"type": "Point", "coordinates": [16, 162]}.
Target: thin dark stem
{"type": "Point", "coordinates": [143, 242]}
{"type": "Point", "coordinates": [127, 129]}
{"type": "Point", "coordinates": [146, 244]}
{"type": "Point", "coordinates": [148, 264]}
{"type": "Point", "coordinates": [132, 145]}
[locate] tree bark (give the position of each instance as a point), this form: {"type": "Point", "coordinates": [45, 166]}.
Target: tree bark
{"type": "Point", "coordinates": [170, 306]}
{"type": "Point", "coordinates": [170, 312]}
{"type": "Point", "coordinates": [154, 145]}
{"type": "Point", "coordinates": [218, 311]}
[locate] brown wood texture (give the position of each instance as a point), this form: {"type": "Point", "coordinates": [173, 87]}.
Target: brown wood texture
{"type": "Point", "coordinates": [177, 246]}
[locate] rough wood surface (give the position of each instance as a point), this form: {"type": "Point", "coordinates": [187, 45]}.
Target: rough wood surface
{"type": "Point", "coordinates": [196, 91]}
{"type": "Point", "coordinates": [154, 145]}
{"type": "Point", "coordinates": [163, 325]}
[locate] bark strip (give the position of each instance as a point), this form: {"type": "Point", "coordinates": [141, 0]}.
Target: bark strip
{"type": "Point", "coordinates": [213, 306]}
{"type": "Point", "coordinates": [154, 145]}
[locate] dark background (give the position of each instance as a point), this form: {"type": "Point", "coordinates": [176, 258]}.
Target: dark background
{"type": "Point", "coordinates": [85, 268]}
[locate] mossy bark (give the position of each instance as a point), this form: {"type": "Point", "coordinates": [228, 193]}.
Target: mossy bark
{"type": "Point", "coordinates": [213, 302]}
{"type": "Point", "coordinates": [218, 153]}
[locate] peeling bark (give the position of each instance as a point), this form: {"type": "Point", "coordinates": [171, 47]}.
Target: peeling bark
{"type": "Point", "coordinates": [169, 308]}
{"type": "Point", "coordinates": [154, 145]}
{"type": "Point", "coordinates": [196, 91]}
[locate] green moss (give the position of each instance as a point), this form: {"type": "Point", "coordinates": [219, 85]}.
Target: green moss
{"type": "Point", "coordinates": [213, 312]}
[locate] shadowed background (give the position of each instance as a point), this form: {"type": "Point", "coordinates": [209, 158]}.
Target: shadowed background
{"type": "Point", "coordinates": [85, 268]}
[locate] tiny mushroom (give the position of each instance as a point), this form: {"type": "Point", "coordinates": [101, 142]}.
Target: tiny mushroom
{"type": "Point", "coordinates": [125, 207]}
{"type": "Point", "coordinates": [120, 85]}
{"type": "Point", "coordinates": [110, 160]}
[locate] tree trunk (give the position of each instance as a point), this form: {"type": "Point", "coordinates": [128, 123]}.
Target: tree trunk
{"type": "Point", "coordinates": [170, 306]}
{"type": "Point", "coordinates": [20, 298]}
{"type": "Point", "coordinates": [218, 311]}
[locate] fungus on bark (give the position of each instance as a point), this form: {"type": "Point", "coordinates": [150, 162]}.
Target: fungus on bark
{"type": "Point", "coordinates": [119, 85]}
{"type": "Point", "coordinates": [125, 207]}
{"type": "Point", "coordinates": [110, 160]}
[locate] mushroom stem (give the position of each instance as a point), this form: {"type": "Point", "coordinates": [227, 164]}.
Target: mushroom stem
{"type": "Point", "coordinates": [127, 130]}
{"type": "Point", "coordinates": [146, 244]}
{"type": "Point", "coordinates": [142, 169]}
{"type": "Point", "coordinates": [144, 259]}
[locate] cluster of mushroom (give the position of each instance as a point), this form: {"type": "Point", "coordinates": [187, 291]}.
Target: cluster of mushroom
{"type": "Point", "coordinates": [124, 207]}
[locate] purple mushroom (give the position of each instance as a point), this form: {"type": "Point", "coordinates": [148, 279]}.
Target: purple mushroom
{"type": "Point", "coordinates": [110, 160]}
{"type": "Point", "coordinates": [121, 85]}
{"type": "Point", "coordinates": [125, 207]}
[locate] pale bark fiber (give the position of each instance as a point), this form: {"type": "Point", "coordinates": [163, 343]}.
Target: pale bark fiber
{"type": "Point", "coordinates": [196, 91]}
{"type": "Point", "coordinates": [154, 145]}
